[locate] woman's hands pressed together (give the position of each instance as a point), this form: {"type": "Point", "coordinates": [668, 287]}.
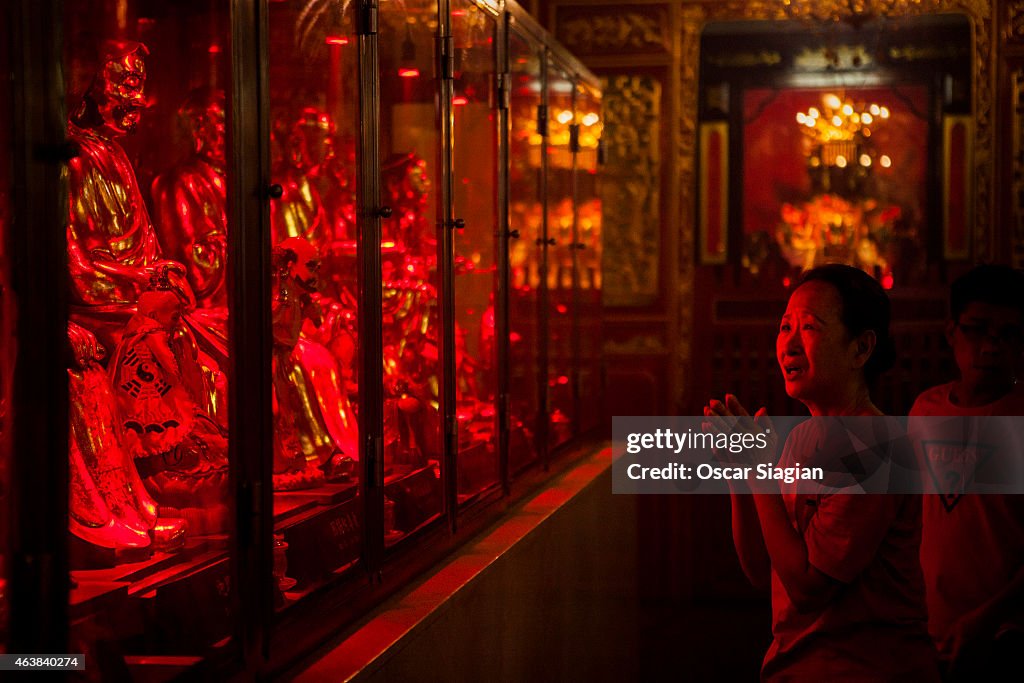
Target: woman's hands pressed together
{"type": "Point", "coordinates": [730, 417]}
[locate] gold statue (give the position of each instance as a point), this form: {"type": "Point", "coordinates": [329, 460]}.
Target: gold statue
{"type": "Point", "coordinates": [109, 505]}
{"type": "Point", "coordinates": [114, 257]}
{"type": "Point", "coordinates": [189, 200]}
{"type": "Point", "coordinates": [316, 429]}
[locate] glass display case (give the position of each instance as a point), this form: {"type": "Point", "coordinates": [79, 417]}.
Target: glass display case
{"type": "Point", "coordinates": [587, 242]}
{"type": "Point", "coordinates": [314, 308]}
{"type": "Point", "coordinates": [149, 488]}
{"type": "Point", "coordinates": [410, 159]}
{"type": "Point", "coordinates": [560, 241]}
{"type": "Point", "coordinates": [527, 426]}
{"type": "Point", "coordinates": [475, 195]}
{"type": "Point", "coordinates": [290, 229]}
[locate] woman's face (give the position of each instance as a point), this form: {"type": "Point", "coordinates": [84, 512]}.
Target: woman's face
{"type": "Point", "coordinates": [817, 357]}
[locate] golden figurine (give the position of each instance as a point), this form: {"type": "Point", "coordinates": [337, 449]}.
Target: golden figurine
{"type": "Point", "coordinates": [410, 316]}
{"type": "Point", "coordinates": [407, 188]}
{"type": "Point", "coordinates": [314, 334]}
{"type": "Point", "coordinates": [316, 429]}
{"type": "Point", "coordinates": [114, 257]}
{"type": "Point", "coordinates": [150, 376]}
{"type": "Point", "coordinates": [314, 151]}
{"type": "Point", "coordinates": [112, 248]}
{"type": "Point", "coordinates": [299, 212]}
{"type": "Point", "coordinates": [156, 381]}
{"type": "Point", "coordinates": [189, 200]}
{"type": "Point", "coordinates": [109, 505]}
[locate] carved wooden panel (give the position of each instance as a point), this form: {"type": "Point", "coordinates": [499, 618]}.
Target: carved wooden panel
{"type": "Point", "coordinates": [1015, 21]}
{"type": "Point", "coordinates": [631, 189]}
{"type": "Point", "coordinates": [613, 29]}
{"type": "Point", "coordinates": [1017, 164]}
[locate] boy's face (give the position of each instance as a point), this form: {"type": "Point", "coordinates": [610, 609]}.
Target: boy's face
{"type": "Point", "coordinates": [987, 341]}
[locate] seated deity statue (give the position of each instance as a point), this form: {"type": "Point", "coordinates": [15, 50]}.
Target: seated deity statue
{"type": "Point", "coordinates": [114, 258]}
{"type": "Point", "coordinates": [109, 505]}
{"type": "Point", "coordinates": [315, 423]}
{"type": "Point", "coordinates": [189, 200]}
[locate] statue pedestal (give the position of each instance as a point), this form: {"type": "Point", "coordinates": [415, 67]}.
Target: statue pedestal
{"type": "Point", "coordinates": [321, 537]}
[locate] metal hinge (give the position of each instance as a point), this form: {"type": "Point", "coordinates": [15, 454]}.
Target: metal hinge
{"type": "Point", "coordinates": [503, 411]}
{"type": "Point", "coordinates": [574, 137]}
{"type": "Point", "coordinates": [445, 48]}
{"type": "Point", "coordinates": [368, 18]}
{"type": "Point", "coordinates": [542, 120]}
{"type": "Point", "coordinates": [503, 91]}
{"type": "Point", "coordinates": [452, 429]}
{"type": "Point", "coordinates": [378, 450]}
{"type": "Point", "coordinates": [374, 461]}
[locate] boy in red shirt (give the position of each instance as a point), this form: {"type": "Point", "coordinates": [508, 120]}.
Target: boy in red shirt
{"type": "Point", "coordinates": [972, 545]}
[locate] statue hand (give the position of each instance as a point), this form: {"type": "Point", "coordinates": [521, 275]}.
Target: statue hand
{"type": "Point", "coordinates": [208, 252]}
{"type": "Point", "coordinates": [84, 346]}
{"type": "Point", "coordinates": [175, 275]}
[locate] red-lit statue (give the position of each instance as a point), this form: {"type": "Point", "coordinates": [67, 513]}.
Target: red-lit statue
{"type": "Point", "coordinates": [313, 148]}
{"type": "Point", "coordinates": [410, 316]}
{"type": "Point", "coordinates": [157, 383]}
{"type": "Point", "coordinates": [189, 200]}
{"type": "Point", "coordinates": [109, 505]}
{"type": "Point", "coordinates": [407, 188]}
{"type": "Point", "coordinates": [114, 258]}
{"type": "Point", "coordinates": [314, 334]}
{"type": "Point", "coordinates": [328, 164]}
{"type": "Point", "coordinates": [112, 248]}
{"type": "Point", "coordinates": [299, 212]}
{"type": "Point", "coordinates": [316, 430]}
{"type": "Point", "coordinates": [150, 374]}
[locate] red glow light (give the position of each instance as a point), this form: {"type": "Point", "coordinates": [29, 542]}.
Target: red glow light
{"type": "Point", "coordinates": [514, 337]}
{"type": "Point", "coordinates": [786, 282]}
{"type": "Point", "coordinates": [563, 380]}
{"type": "Point", "coordinates": [887, 281]}
{"type": "Point", "coordinates": [214, 49]}
{"type": "Point", "coordinates": [459, 100]}
{"type": "Point", "coordinates": [561, 308]}
{"type": "Point", "coordinates": [337, 40]}
{"type": "Point", "coordinates": [409, 72]}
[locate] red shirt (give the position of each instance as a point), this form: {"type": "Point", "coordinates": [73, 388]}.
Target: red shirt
{"type": "Point", "coordinates": [873, 627]}
{"type": "Point", "coordinates": [972, 545]}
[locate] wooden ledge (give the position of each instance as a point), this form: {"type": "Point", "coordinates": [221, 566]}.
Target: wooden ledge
{"type": "Point", "coordinates": [397, 621]}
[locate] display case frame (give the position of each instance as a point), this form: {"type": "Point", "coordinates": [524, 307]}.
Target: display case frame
{"type": "Point", "coordinates": [38, 559]}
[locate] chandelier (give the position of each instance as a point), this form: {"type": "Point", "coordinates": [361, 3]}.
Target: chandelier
{"type": "Point", "coordinates": [838, 132]}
